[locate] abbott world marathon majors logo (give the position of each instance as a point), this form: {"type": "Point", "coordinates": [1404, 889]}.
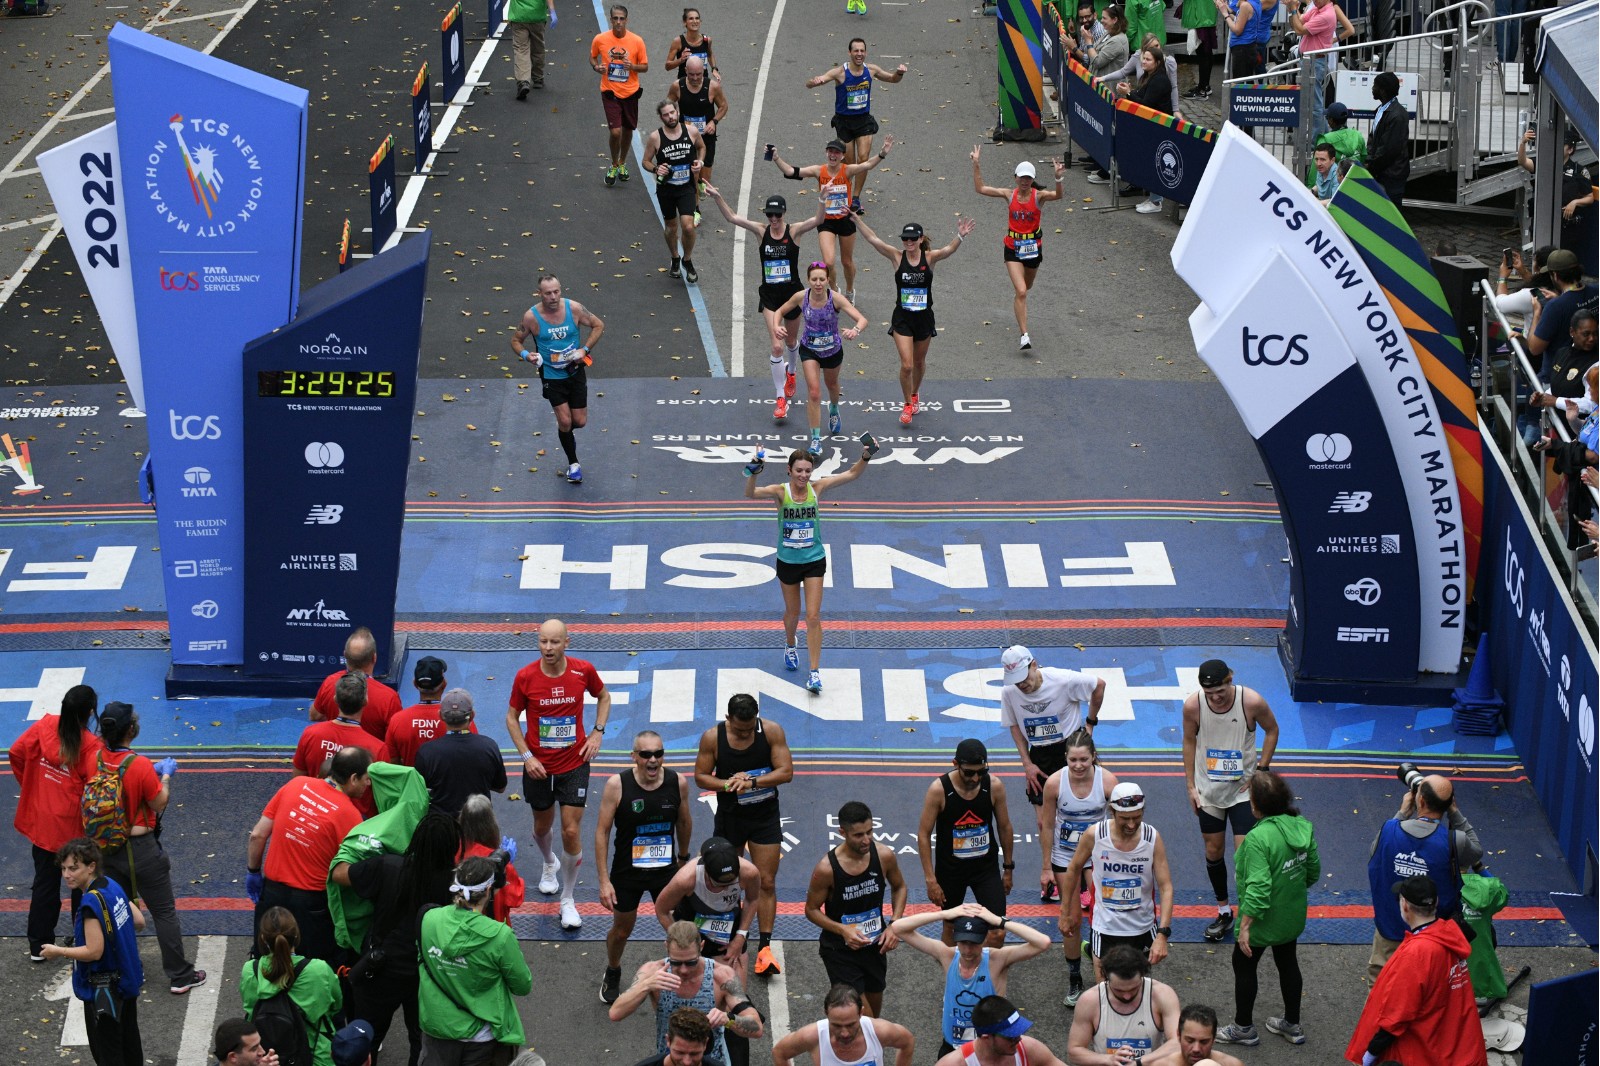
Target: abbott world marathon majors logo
{"type": "Point", "coordinates": [206, 180]}
{"type": "Point", "coordinates": [1169, 164]}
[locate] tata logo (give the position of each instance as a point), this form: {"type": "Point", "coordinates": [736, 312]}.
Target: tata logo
{"type": "Point", "coordinates": [324, 456]}
{"type": "Point", "coordinates": [324, 514]}
{"type": "Point", "coordinates": [1350, 503]}
{"type": "Point", "coordinates": [1273, 349]}
{"type": "Point", "coordinates": [199, 479]}
{"type": "Point", "coordinates": [1363, 635]}
{"type": "Point", "coordinates": [204, 609]}
{"type": "Point", "coordinates": [1563, 700]}
{"type": "Point", "coordinates": [194, 427]}
{"type": "Point", "coordinates": [1326, 449]}
{"type": "Point", "coordinates": [1514, 581]}
{"type": "Point", "coordinates": [179, 280]}
{"type": "Point", "coordinates": [1366, 592]}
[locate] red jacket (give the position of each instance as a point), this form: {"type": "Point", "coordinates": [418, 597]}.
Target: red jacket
{"type": "Point", "coordinates": [50, 806]}
{"type": "Point", "coordinates": [508, 898]}
{"type": "Point", "coordinates": [1424, 996]}
{"type": "Point", "coordinates": [383, 703]}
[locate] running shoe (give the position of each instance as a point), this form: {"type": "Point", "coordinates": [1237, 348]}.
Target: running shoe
{"type": "Point", "coordinates": [575, 474]}
{"type": "Point", "coordinates": [766, 965]}
{"type": "Point", "coordinates": [690, 274]}
{"type": "Point", "coordinates": [1099, 179]}
{"type": "Point", "coordinates": [549, 882]}
{"type": "Point", "coordinates": [36, 955]}
{"type": "Point", "coordinates": [1074, 990]}
{"type": "Point", "coordinates": [676, 269]}
{"type": "Point", "coordinates": [791, 658]}
{"type": "Point", "coordinates": [1024, 342]}
{"type": "Point", "coordinates": [906, 411]}
{"type": "Point", "coordinates": [1148, 207]}
{"type": "Point", "coordinates": [180, 988]}
{"type": "Point", "coordinates": [1290, 1031]}
{"type": "Point", "coordinates": [916, 404]}
{"type": "Point", "coordinates": [1199, 92]}
{"type": "Point", "coordinates": [835, 424]}
{"type": "Point", "coordinates": [611, 175]}
{"type": "Point", "coordinates": [780, 410]}
{"type": "Point", "coordinates": [850, 295]}
{"type": "Point", "coordinates": [1245, 1035]}
{"type": "Point", "coordinates": [814, 449]}
{"type": "Point", "coordinates": [788, 386]}
{"type": "Point", "coordinates": [1219, 928]}
{"type": "Point", "coordinates": [570, 919]}
{"type": "Point", "coordinates": [522, 90]}
{"type": "Point", "coordinates": [622, 171]}
{"type": "Point", "coordinates": [814, 686]}
{"type": "Point", "coordinates": [611, 984]}
{"type": "Point", "coordinates": [1050, 893]}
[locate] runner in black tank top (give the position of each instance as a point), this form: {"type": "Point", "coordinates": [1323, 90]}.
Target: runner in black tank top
{"type": "Point", "coordinates": [848, 907]}
{"type": "Point", "coordinates": [673, 153]}
{"type": "Point", "coordinates": [973, 828]}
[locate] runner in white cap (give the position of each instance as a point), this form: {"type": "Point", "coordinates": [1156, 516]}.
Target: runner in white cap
{"type": "Point", "coordinates": [1128, 863]}
{"type": "Point", "coordinates": [1024, 232]}
{"type": "Point", "coordinates": [1000, 1039]}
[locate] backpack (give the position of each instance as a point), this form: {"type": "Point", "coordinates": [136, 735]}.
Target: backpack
{"type": "Point", "coordinates": [282, 1024]}
{"type": "Point", "coordinates": [105, 821]}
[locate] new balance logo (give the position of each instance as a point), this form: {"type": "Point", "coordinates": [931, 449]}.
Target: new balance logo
{"type": "Point", "coordinates": [1350, 503]}
{"type": "Point", "coordinates": [324, 514]}
{"type": "Point", "coordinates": [1363, 635]}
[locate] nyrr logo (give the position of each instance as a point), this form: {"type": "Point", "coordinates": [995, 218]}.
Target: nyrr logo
{"type": "Point", "coordinates": [324, 514]}
{"type": "Point", "coordinates": [1362, 635]}
{"type": "Point", "coordinates": [194, 427]}
{"type": "Point", "coordinates": [316, 613]}
{"type": "Point", "coordinates": [199, 479]}
{"type": "Point", "coordinates": [1366, 592]}
{"type": "Point", "coordinates": [206, 181]}
{"type": "Point", "coordinates": [179, 280]}
{"type": "Point", "coordinates": [1350, 502]}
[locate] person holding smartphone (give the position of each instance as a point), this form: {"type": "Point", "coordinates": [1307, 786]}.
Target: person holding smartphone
{"type": "Point", "coordinates": [802, 559]}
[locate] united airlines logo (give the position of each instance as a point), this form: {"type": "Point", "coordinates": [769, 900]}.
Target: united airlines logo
{"type": "Point", "coordinates": [324, 514]}
{"type": "Point", "coordinates": [220, 184]}
{"type": "Point", "coordinates": [1350, 502]}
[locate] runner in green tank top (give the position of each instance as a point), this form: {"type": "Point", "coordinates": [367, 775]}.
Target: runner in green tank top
{"type": "Point", "coordinates": [802, 559]}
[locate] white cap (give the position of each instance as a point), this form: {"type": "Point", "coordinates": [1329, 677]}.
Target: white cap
{"type": "Point", "coordinates": [1502, 1034]}
{"type": "Point", "coordinates": [1127, 796]}
{"type": "Point", "coordinates": [1015, 661]}
{"type": "Point", "coordinates": [1025, 170]}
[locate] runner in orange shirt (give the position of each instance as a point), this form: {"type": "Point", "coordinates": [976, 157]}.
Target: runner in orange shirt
{"type": "Point", "coordinates": [837, 234]}
{"type": "Point", "coordinates": [619, 57]}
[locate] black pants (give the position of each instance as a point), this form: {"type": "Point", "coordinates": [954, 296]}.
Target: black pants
{"type": "Point", "coordinates": [115, 1042]}
{"type": "Point", "coordinates": [44, 909]}
{"type": "Point", "coordinates": [1244, 982]}
{"type": "Point", "coordinates": [377, 998]}
{"type": "Point", "coordinates": [738, 1049]}
{"type": "Point", "coordinates": [310, 910]}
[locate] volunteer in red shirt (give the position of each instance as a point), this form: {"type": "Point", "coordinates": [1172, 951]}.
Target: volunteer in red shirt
{"type": "Point", "coordinates": [305, 822]}
{"type": "Point", "coordinates": [420, 722]}
{"type": "Point", "coordinates": [51, 761]}
{"type": "Point", "coordinates": [1421, 1008]}
{"type": "Point", "coordinates": [383, 702]}
{"type": "Point", "coordinates": [141, 866]}
{"type": "Point", "coordinates": [321, 741]}
{"type": "Point", "coordinates": [556, 752]}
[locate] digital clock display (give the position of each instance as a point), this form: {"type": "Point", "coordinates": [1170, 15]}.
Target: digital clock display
{"type": "Point", "coordinates": [325, 384]}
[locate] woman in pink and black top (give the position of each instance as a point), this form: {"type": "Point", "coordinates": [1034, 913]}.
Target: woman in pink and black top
{"type": "Point", "coordinates": [1317, 25]}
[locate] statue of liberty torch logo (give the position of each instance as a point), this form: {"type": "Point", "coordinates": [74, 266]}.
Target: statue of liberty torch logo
{"type": "Point", "coordinates": [201, 166]}
{"type": "Point", "coordinates": [19, 462]}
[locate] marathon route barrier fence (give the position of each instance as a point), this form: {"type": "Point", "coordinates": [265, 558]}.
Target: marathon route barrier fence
{"type": "Point", "coordinates": [453, 41]}
{"type": "Point", "coordinates": [380, 184]}
{"type": "Point", "coordinates": [421, 121]}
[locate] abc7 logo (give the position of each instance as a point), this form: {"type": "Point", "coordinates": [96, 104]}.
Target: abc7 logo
{"type": "Point", "coordinates": [324, 455]}
{"type": "Point", "coordinates": [1366, 592]}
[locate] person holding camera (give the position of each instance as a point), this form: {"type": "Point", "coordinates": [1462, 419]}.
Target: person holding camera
{"type": "Point", "coordinates": [1427, 836]}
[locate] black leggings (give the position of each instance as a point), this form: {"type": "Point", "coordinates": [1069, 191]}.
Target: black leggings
{"type": "Point", "coordinates": [1244, 982]}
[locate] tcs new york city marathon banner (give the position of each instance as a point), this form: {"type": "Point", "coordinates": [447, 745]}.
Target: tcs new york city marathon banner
{"type": "Point", "coordinates": [214, 160]}
{"type": "Point", "coordinates": [1319, 358]}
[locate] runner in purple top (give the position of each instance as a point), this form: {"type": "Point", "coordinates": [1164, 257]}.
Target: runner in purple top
{"type": "Point", "coordinates": [821, 346]}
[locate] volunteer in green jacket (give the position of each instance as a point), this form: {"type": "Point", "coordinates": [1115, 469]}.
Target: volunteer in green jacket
{"type": "Point", "coordinates": [802, 559]}
{"type": "Point", "coordinates": [1482, 897]}
{"type": "Point", "coordinates": [1145, 16]}
{"type": "Point", "coordinates": [472, 968]}
{"type": "Point", "coordinates": [1273, 866]}
{"type": "Point", "coordinates": [528, 20]}
{"type": "Point", "coordinates": [310, 983]}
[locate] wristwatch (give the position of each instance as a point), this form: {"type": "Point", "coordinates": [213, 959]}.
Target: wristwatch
{"type": "Point", "coordinates": [1164, 930]}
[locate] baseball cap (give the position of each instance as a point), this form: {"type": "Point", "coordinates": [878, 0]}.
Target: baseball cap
{"type": "Point", "coordinates": [971, 751]}
{"type": "Point", "coordinates": [834, 146]}
{"type": "Point", "coordinates": [1213, 672]}
{"type": "Point", "coordinates": [720, 859]}
{"type": "Point", "coordinates": [1503, 1034]}
{"type": "Point", "coordinates": [1127, 796]}
{"type": "Point", "coordinates": [352, 1045]}
{"type": "Point", "coordinates": [1025, 170]}
{"type": "Point", "coordinates": [115, 716]}
{"type": "Point", "coordinates": [776, 205]}
{"type": "Point", "coordinates": [1417, 890]}
{"type": "Point", "coordinates": [1015, 661]}
{"type": "Point", "coordinates": [1011, 1026]}
{"type": "Point", "coordinates": [911, 231]}
{"type": "Point", "coordinates": [429, 672]}
{"type": "Point", "coordinates": [1336, 111]}
{"type": "Point", "coordinates": [1562, 260]}
{"type": "Point", "coordinates": [456, 707]}
{"type": "Point", "coordinates": [970, 929]}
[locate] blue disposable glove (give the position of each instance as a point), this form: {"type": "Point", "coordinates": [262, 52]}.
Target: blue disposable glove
{"type": "Point", "coordinates": [756, 465]}
{"type": "Point", "coordinates": [509, 846]}
{"type": "Point", "coordinates": [1368, 1058]}
{"type": "Point", "coordinates": [552, 18]}
{"type": "Point", "coordinates": [167, 767]}
{"type": "Point", "coordinates": [253, 882]}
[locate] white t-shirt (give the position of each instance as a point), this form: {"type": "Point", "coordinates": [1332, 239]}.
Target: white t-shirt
{"type": "Point", "coordinates": [1052, 712]}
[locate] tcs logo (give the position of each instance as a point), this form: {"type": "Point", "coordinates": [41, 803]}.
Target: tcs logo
{"type": "Point", "coordinates": [1273, 349]}
{"type": "Point", "coordinates": [1514, 581]}
{"type": "Point", "coordinates": [194, 427]}
{"type": "Point", "coordinates": [179, 280]}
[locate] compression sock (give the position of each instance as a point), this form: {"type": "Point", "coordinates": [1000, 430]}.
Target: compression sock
{"type": "Point", "coordinates": [1075, 965]}
{"type": "Point", "coordinates": [766, 938]}
{"type": "Point", "coordinates": [543, 840]}
{"type": "Point", "coordinates": [569, 873]}
{"type": "Point", "coordinates": [569, 444]}
{"type": "Point", "coordinates": [780, 373]}
{"type": "Point", "coordinates": [1218, 872]}
{"type": "Point", "coordinates": [792, 358]}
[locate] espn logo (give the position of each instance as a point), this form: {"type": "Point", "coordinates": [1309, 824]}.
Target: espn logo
{"type": "Point", "coordinates": [1363, 635]}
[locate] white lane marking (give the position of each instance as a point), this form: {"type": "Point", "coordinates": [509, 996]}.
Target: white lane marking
{"type": "Point", "coordinates": [200, 1017]}
{"type": "Point", "coordinates": [197, 18]}
{"type": "Point", "coordinates": [14, 282]}
{"type": "Point", "coordinates": [26, 223]}
{"type": "Point", "coordinates": [79, 116]}
{"type": "Point", "coordinates": [777, 984]}
{"type": "Point", "coordinates": [74, 1031]}
{"type": "Point", "coordinates": [746, 173]}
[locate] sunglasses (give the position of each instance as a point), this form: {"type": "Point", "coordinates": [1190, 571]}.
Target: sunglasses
{"type": "Point", "coordinates": [979, 772]}
{"type": "Point", "coordinates": [1128, 803]}
{"type": "Point", "coordinates": [656, 754]}
{"type": "Point", "coordinates": [683, 964]}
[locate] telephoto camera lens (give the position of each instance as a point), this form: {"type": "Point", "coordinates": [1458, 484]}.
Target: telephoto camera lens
{"type": "Point", "coordinates": [1409, 773]}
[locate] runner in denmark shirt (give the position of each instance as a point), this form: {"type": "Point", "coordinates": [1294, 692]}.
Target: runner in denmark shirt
{"type": "Point", "coordinates": [554, 707]}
